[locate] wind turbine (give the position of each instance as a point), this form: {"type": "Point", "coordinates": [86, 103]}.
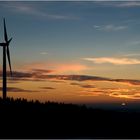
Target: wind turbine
{"type": "Point", "coordinates": [6, 52]}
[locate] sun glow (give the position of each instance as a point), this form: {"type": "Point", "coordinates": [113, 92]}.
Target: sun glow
{"type": "Point", "coordinates": [63, 90]}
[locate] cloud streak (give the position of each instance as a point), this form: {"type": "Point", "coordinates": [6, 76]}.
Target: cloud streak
{"type": "Point", "coordinates": [110, 27]}
{"type": "Point", "coordinates": [13, 89]}
{"type": "Point", "coordinates": [132, 54]}
{"type": "Point", "coordinates": [27, 8]}
{"type": "Point", "coordinates": [47, 88]}
{"type": "Point", "coordinates": [129, 4]}
{"type": "Point", "coordinates": [119, 4]}
{"type": "Point", "coordinates": [112, 92]}
{"type": "Point", "coordinates": [136, 42]}
{"type": "Point", "coordinates": [115, 61]}
{"type": "Point", "coordinates": [44, 53]}
{"type": "Point", "coordinates": [43, 75]}
{"type": "Point", "coordinates": [83, 85]}
{"type": "Point", "coordinates": [32, 75]}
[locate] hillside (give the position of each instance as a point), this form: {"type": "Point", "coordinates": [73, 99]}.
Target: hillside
{"type": "Point", "coordinates": [23, 119]}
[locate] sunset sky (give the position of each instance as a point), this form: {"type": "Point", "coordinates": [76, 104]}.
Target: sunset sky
{"type": "Point", "coordinates": [98, 42]}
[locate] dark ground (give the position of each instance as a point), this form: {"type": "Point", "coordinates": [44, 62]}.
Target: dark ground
{"type": "Point", "coordinates": [22, 119]}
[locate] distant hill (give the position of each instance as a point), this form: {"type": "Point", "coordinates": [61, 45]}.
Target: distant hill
{"type": "Point", "coordinates": [31, 119]}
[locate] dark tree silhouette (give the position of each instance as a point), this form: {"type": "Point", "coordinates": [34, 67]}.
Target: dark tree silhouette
{"type": "Point", "coordinates": [31, 119]}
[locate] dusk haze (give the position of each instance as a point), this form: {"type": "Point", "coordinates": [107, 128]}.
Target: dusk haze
{"type": "Point", "coordinates": [74, 38]}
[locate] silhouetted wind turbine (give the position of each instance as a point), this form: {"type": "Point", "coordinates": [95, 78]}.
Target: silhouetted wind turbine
{"type": "Point", "coordinates": [6, 51]}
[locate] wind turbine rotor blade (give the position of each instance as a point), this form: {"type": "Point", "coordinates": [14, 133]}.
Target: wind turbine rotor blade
{"type": "Point", "coordinates": [5, 31]}
{"type": "Point", "coordinates": [9, 40]}
{"type": "Point", "coordinates": [8, 55]}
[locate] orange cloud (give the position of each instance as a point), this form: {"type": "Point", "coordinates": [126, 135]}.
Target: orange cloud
{"type": "Point", "coordinates": [57, 68]}
{"type": "Point", "coordinates": [115, 61]}
{"type": "Point", "coordinates": [62, 68]}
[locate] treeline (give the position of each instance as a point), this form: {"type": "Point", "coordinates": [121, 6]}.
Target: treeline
{"type": "Point", "coordinates": [20, 118]}
{"type": "Point", "coordinates": [22, 105]}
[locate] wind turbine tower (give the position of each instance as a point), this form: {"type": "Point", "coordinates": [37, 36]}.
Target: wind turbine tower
{"type": "Point", "coordinates": [6, 52]}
